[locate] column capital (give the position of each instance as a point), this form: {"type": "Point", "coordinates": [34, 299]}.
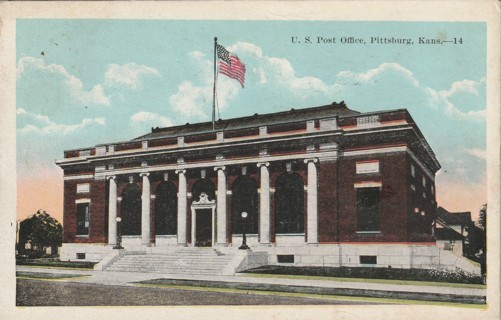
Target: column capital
{"type": "Point", "coordinates": [314, 160]}
{"type": "Point", "coordinates": [144, 174]}
{"type": "Point", "coordinates": [183, 171]}
{"type": "Point", "coordinates": [222, 168]}
{"type": "Point", "coordinates": [111, 177]}
{"type": "Point", "coordinates": [260, 164]}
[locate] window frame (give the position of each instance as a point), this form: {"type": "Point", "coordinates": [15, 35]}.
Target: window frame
{"type": "Point", "coordinates": [86, 219]}
{"type": "Point", "coordinates": [368, 217]}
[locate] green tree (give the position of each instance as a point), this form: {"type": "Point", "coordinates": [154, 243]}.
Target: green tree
{"type": "Point", "coordinates": [482, 218]}
{"type": "Point", "coordinates": [41, 231]}
{"type": "Point", "coordinates": [477, 239]}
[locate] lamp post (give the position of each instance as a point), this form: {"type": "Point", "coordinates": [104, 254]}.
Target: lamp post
{"type": "Point", "coordinates": [244, 245]}
{"type": "Point", "coordinates": [119, 235]}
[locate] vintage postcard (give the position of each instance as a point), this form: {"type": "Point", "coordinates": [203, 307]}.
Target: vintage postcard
{"type": "Point", "coordinates": [285, 160]}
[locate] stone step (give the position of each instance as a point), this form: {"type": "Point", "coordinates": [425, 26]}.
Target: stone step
{"type": "Point", "coordinates": [172, 268]}
{"type": "Point", "coordinates": [183, 265]}
{"type": "Point", "coordinates": [167, 267]}
{"type": "Point", "coordinates": [180, 261]}
{"type": "Point", "coordinates": [177, 258]}
{"type": "Point", "coordinates": [166, 271]}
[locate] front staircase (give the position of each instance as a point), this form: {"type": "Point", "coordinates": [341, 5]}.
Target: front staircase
{"type": "Point", "coordinates": [181, 261]}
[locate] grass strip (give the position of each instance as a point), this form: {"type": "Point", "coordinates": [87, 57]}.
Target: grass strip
{"type": "Point", "coordinates": [330, 291]}
{"type": "Point", "coordinates": [312, 296]}
{"type": "Point", "coordinates": [47, 276]}
{"type": "Point", "coordinates": [55, 267]}
{"type": "Point", "coordinates": [381, 281]}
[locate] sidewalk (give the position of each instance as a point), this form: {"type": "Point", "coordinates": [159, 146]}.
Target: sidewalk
{"type": "Point", "coordinates": [307, 286]}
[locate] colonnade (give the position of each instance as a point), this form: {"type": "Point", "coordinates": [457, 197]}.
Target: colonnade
{"type": "Point", "coordinates": [221, 235]}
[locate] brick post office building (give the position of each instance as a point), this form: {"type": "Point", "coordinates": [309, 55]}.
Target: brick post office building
{"type": "Point", "coordinates": [323, 186]}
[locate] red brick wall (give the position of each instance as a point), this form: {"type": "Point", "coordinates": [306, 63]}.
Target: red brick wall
{"type": "Point", "coordinates": [420, 225]}
{"type": "Point", "coordinates": [393, 198]}
{"type": "Point", "coordinates": [327, 201]}
{"type": "Point", "coordinates": [98, 211]}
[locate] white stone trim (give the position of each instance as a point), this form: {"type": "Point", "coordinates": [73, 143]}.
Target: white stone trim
{"type": "Point", "coordinates": [139, 152]}
{"type": "Point", "coordinates": [363, 167]}
{"type": "Point", "coordinates": [364, 152]}
{"type": "Point", "coordinates": [79, 177]}
{"type": "Point", "coordinates": [83, 187]}
{"type": "Point", "coordinates": [368, 184]}
{"type": "Point", "coordinates": [82, 200]}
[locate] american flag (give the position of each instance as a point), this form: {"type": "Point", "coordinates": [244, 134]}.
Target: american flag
{"type": "Point", "coordinates": [230, 65]}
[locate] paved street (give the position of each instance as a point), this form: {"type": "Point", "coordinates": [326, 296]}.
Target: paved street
{"type": "Point", "coordinates": [65, 293]}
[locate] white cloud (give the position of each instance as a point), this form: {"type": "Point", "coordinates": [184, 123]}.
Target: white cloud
{"type": "Point", "coordinates": [74, 85]}
{"type": "Point", "coordinates": [152, 119]}
{"type": "Point", "coordinates": [128, 75]}
{"type": "Point", "coordinates": [191, 100]}
{"type": "Point", "coordinates": [464, 86]}
{"type": "Point", "coordinates": [45, 126]}
{"type": "Point", "coordinates": [479, 153]}
{"type": "Point", "coordinates": [381, 70]}
{"type": "Point", "coordinates": [390, 84]}
{"type": "Point", "coordinates": [443, 99]}
{"type": "Point", "coordinates": [196, 100]}
{"type": "Point", "coordinates": [281, 73]}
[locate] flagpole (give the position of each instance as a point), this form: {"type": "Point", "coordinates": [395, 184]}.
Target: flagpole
{"type": "Point", "coordinates": [214, 89]}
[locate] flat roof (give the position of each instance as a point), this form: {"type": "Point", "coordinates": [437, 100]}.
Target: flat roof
{"type": "Point", "coordinates": [328, 111]}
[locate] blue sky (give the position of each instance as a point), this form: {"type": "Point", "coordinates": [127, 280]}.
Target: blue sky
{"type": "Point", "coordinates": [101, 81]}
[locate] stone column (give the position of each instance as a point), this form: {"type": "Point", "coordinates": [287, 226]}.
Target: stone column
{"type": "Point", "coordinates": [264, 204]}
{"type": "Point", "coordinates": [145, 211]}
{"type": "Point", "coordinates": [221, 206]}
{"type": "Point", "coordinates": [181, 209]}
{"type": "Point", "coordinates": [312, 202]}
{"type": "Point", "coordinates": [112, 211]}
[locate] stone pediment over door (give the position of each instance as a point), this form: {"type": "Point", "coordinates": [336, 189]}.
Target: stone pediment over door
{"type": "Point", "coordinates": [198, 207]}
{"type": "Point", "coordinates": [204, 202]}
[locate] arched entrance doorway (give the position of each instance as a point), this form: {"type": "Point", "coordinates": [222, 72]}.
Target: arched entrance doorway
{"type": "Point", "coordinates": [203, 207]}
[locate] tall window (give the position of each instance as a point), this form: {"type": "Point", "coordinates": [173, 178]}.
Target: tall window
{"type": "Point", "coordinates": [166, 209]}
{"type": "Point", "coordinates": [368, 209]}
{"type": "Point", "coordinates": [244, 198]}
{"type": "Point", "coordinates": [289, 203]}
{"type": "Point", "coordinates": [131, 210]}
{"type": "Point", "coordinates": [83, 219]}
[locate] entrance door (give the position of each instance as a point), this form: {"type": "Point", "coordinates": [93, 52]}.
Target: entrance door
{"type": "Point", "coordinates": [203, 228]}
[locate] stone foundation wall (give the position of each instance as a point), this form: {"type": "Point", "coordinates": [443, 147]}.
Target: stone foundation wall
{"type": "Point", "coordinates": [92, 252]}
{"type": "Point", "coordinates": [326, 255]}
